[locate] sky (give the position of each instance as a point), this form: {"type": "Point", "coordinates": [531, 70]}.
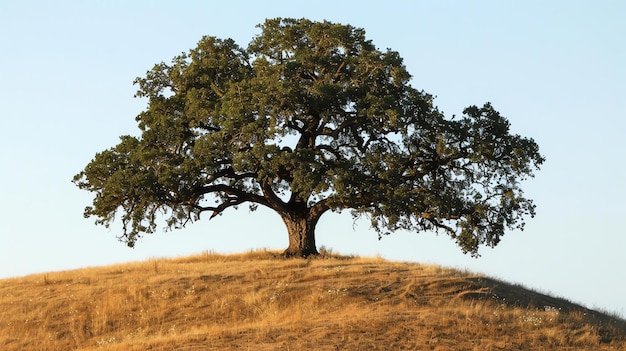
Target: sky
{"type": "Point", "coordinates": [556, 70]}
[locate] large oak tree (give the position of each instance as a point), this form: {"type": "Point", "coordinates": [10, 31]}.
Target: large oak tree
{"type": "Point", "coordinates": [310, 118]}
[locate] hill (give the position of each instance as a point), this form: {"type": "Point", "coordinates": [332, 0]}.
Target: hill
{"type": "Point", "coordinates": [258, 301]}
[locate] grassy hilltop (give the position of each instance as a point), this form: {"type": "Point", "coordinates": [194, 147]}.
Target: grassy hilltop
{"type": "Point", "coordinates": [258, 301]}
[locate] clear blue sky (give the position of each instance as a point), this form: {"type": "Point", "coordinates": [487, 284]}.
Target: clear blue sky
{"type": "Point", "coordinates": [556, 69]}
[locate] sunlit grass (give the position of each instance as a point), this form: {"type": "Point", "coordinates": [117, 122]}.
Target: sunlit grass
{"type": "Point", "coordinates": [260, 301]}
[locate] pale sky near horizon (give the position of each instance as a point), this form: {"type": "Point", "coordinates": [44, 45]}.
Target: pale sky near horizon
{"type": "Point", "coordinates": [556, 70]}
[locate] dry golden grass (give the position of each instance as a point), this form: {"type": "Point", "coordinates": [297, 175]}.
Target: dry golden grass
{"type": "Point", "coordinates": [259, 301]}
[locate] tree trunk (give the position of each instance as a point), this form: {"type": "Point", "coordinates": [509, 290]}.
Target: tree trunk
{"type": "Point", "coordinates": [301, 230]}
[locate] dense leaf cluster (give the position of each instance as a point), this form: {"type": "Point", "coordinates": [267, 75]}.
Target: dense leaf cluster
{"type": "Point", "coordinates": [311, 117]}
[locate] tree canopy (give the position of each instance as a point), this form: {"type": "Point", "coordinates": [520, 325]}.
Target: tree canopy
{"type": "Point", "coordinates": [311, 117]}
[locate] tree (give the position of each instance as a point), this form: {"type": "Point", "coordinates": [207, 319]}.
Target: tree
{"type": "Point", "coordinates": [310, 118]}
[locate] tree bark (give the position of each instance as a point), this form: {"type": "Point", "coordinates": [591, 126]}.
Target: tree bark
{"type": "Point", "coordinates": [301, 230]}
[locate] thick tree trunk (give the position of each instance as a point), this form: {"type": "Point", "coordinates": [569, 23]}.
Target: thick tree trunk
{"type": "Point", "coordinates": [301, 230]}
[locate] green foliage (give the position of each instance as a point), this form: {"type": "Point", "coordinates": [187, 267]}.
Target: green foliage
{"type": "Point", "coordinates": [310, 117]}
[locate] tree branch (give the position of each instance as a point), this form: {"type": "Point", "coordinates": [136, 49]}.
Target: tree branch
{"type": "Point", "coordinates": [319, 208]}
{"type": "Point", "coordinates": [236, 197]}
{"type": "Point", "coordinates": [230, 173]}
{"type": "Point", "coordinates": [440, 225]}
{"type": "Point", "coordinates": [224, 205]}
{"type": "Point", "coordinates": [272, 200]}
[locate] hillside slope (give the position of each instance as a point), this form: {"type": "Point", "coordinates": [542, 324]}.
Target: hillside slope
{"type": "Point", "coordinates": [258, 301]}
